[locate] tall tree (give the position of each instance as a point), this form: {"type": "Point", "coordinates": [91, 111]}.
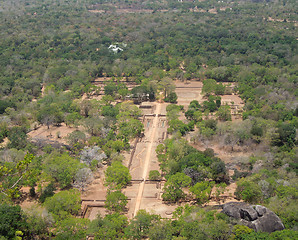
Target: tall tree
{"type": "Point", "coordinates": [116, 201]}
{"type": "Point", "coordinates": [117, 176]}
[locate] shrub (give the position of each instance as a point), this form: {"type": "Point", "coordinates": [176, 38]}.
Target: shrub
{"type": "Point", "coordinates": [48, 192]}
{"type": "Point", "coordinates": [248, 191]}
{"type": "Point", "coordinates": [154, 175]}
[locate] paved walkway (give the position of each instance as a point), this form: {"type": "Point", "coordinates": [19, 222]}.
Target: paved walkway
{"type": "Point", "coordinates": [148, 157]}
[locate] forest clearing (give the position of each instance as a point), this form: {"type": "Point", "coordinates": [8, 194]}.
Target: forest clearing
{"type": "Point", "coordinates": [148, 196]}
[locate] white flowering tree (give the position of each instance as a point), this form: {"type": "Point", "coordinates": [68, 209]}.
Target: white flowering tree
{"type": "Point", "coordinates": [83, 177]}
{"type": "Point", "coordinates": [90, 154]}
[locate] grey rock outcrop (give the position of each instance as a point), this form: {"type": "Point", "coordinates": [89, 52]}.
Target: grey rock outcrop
{"type": "Point", "coordinates": [256, 217]}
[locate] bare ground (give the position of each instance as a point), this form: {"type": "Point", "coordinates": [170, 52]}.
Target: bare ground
{"type": "Point", "coordinates": [52, 133]}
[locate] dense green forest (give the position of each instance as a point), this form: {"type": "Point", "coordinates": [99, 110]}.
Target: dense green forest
{"type": "Point", "coordinates": [51, 51]}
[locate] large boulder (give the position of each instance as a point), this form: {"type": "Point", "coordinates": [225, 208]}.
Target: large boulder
{"type": "Point", "coordinates": [256, 217]}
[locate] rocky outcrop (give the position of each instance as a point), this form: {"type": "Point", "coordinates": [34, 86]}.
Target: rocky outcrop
{"type": "Point", "coordinates": [256, 217]}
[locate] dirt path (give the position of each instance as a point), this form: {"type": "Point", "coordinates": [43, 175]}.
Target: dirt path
{"type": "Point", "coordinates": [147, 159]}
